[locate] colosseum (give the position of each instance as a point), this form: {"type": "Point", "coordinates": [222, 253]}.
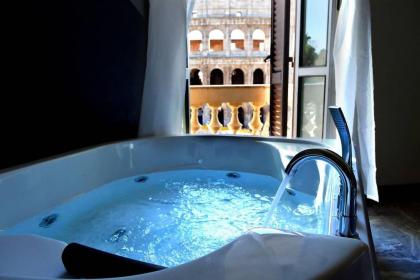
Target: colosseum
{"type": "Point", "coordinates": [229, 40]}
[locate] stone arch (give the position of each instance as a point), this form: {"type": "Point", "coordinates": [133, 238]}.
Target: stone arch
{"type": "Point", "coordinates": [238, 77]}
{"type": "Point", "coordinates": [258, 76]}
{"type": "Point", "coordinates": [195, 38]}
{"type": "Point", "coordinates": [258, 39]}
{"type": "Point", "coordinates": [237, 39]}
{"type": "Point", "coordinates": [196, 77]}
{"type": "Point", "coordinates": [216, 38]}
{"type": "Point", "coordinates": [216, 77]}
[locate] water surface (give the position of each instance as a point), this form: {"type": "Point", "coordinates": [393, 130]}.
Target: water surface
{"type": "Point", "coordinates": [173, 217]}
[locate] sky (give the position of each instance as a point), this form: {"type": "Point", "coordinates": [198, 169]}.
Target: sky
{"type": "Point", "coordinates": [316, 23]}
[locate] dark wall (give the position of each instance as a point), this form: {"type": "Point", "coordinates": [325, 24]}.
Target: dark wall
{"type": "Point", "coordinates": [73, 76]}
{"type": "Point", "coordinates": [396, 70]}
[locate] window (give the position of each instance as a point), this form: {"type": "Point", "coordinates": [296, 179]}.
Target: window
{"type": "Point", "coordinates": [314, 26]}
{"type": "Point", "coordinates": [284, 75]}
{"type": "Point", "coordinates": [216, 38]}
{"type": "Point", "coordinates": [311, 106]}
{"type": "Point", "coordinates": [313, 67]}
{"type": "Point", "coordinates": [237, 39]}
{"type": "Point", "coordinates": [258, 40]}
{"type": "Point", "coordinates": [195, 37]}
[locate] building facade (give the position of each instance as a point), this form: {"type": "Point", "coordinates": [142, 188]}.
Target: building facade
{"type": "Point", "coordinates": [228, 42]}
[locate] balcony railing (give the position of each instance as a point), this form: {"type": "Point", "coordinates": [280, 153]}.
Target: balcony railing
{"type": "Point", "coordinates": [254, 100]}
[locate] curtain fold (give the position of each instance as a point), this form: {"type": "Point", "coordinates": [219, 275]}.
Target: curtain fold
{"type": "Point", "coordinates": [354, 86]}
{"type": "Point", "coordinates": [162, 112]}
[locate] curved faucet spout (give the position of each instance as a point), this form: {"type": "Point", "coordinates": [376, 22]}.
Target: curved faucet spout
{"type": "Point", "coordinates": [348, 188]}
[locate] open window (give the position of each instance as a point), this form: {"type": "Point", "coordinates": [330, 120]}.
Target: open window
{"type": "Point", "coordinates": [301, 66]}
{"type": "Point", "coordinates": [261, 69]}
{"type": "Point", "coordinates": [237, 39]}
{"type": "Point", "coordinates": [258, 40]}
{"type": "Point", "coordinates": [216, 40]}
{"type": "Point", "coordinates": [195, 39]}
{"type": "Point", "coordinates": [234, 94]}
{"type": "Point", "coordinates": [312, 73]}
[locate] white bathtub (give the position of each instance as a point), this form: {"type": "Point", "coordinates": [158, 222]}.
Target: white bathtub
{"type": "Point", "coordinates": [29, 190]}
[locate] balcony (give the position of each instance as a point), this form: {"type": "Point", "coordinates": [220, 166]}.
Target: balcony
{"type": "Point", "coordinates": [211, 100]}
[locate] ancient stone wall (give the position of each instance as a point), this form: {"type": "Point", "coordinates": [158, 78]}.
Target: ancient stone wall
{"type": "Point", "coordinates": [226, 16]}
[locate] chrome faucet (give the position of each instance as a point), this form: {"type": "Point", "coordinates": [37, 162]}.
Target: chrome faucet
{"type": "Point", "coordinates": [346, 211]}
{"type": "Point", "coordinates": [348, 189]}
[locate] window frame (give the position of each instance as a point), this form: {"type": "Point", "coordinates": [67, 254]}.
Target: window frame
{"type": "Point", "coordinates": [328, 127]}
{"type": "Point", "coordinates": [327, 71]}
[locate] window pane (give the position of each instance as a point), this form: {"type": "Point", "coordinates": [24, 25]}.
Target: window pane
{"type": "Point", "coordinates": [314, 33]}
{"type": "Point", "coordinates": [311, 108]}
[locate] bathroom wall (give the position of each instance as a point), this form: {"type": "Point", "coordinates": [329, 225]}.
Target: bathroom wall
{"type": "Point", "coordinates": [396, 62]}
{"type": "Point", "coordinates": [73, 75]}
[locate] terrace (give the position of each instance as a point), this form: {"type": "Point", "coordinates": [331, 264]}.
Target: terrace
{"type": "Point", "coordinates": [253, 99]}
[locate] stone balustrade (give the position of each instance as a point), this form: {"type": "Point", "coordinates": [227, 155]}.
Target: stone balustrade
{"type": "Point", "coordinates": [230, 97]}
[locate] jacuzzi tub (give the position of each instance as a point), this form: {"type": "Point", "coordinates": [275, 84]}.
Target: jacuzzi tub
{"type": "Point", "coordinates": [224, 181]}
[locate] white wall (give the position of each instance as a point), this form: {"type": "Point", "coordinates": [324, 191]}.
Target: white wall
{"type": "Point", "coordinates": [396, 62]}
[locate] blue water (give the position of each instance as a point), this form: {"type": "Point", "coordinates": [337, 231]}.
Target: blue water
{"type": "Point", "coordinates": [173, 217]}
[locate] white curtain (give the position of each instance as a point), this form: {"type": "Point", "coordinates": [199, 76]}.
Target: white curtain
{"type": "Point", "coordinates": [163, 101]}
{"type": "Point", "coordinates": [354, 85]}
